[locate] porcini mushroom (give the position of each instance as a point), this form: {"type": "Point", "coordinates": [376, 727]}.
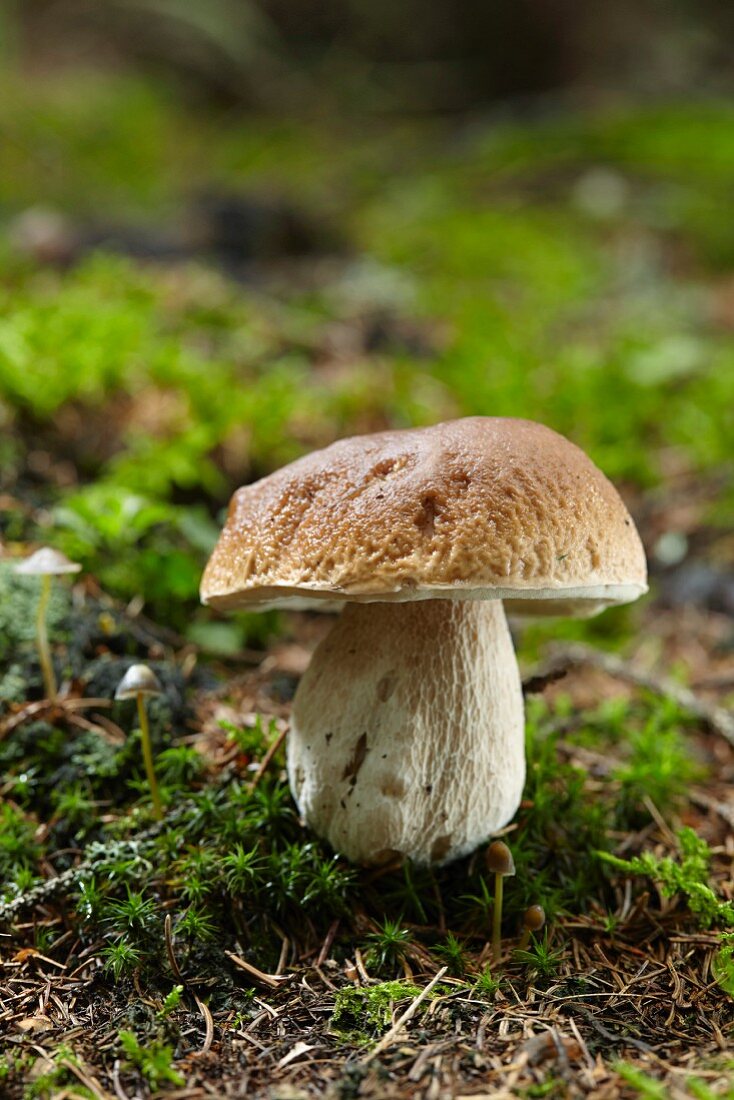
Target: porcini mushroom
{"type": "Point", "coordinates": [46, 563]}
{"type": "Point", "coordinates": [407, 728]}
{"type": "Point", "coordinates": [139, 682]}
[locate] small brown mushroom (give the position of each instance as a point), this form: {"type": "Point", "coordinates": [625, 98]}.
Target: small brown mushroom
{"type": "Point", "coordinates": [533, 920]}
{"type": "Point", "coordinates": [500, 864]}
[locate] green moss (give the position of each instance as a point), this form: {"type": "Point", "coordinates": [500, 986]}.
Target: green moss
{"type": "Point", "coordinates": [153, 1059]}
{"type": "Point", "coordinates": [52, 1076]}
{"type": "Point", "coordinates": [18, 606]}
{"type": "Point", "coordinates": [18, 846]}
{"type": "Point", "coordinates": [641, 1083]}
{"type": "Point", "coordinates": [687, 876]}
{"type": "Point", "coordinates": [364, 1012]}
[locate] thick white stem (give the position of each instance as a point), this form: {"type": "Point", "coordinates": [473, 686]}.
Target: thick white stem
{"type": "Point", "coordinates": [407, 731]}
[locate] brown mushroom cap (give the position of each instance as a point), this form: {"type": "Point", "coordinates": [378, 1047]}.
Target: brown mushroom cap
{"type": "Point", "coordinates": [534, 918]}
{"type": "Point", "coordinates": [499, 860]}
{"type": "Point", "coordinates": [480, 508]}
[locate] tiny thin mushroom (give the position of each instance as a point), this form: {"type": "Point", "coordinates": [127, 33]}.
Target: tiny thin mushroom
{"type": "Point", "coordinates": [46, 563]}
{"type": "Point", "coordinates": [138, 683]}
{"type": "Point", "coordinates": [500, 864]}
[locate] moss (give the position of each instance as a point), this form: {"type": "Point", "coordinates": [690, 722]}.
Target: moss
{"type": "Point", "coordinates": [18, 605]}
{"type": "Point", "coordinates": [363, 1012]}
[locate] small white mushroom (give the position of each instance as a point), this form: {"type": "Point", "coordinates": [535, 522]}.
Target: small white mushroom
{"type": "Point", "coordinates": [138, 683]}
{"type": "Point", "coordinates": [138, 680]}
{"type": "Point", "coordinates": [407, 728]}
{"type": "Point", "coordinates": [46, 563]}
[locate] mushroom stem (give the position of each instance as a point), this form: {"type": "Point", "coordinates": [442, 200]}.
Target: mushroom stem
{"type": "Point", "coordinates": [44, 650]}
{"type": "Point", "coordinates": [407, 731]}
{"type": "Point", "coordinates": [148, 756]}
{"type": "Point", "coordinates": [499, 890]}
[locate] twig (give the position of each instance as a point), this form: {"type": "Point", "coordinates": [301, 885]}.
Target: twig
{"type": "Point", "coordinates": [204, 1010]}
{"type": "Point", "coordinates": [717, 718]}
{"type": "Point", "coordinates": [119, 1091]}
{"type": "Point", "coordinates": [168, 935]}
{"type": "Point", "coordinates": [725, 812]}
{"type": "Point", "coordinates": [361, 968]}
{"type": "Point", "coordinates": [87, 1080]}
{"type": "Point", "coordinates": [539, 681]}
{"type": "Point", "coordinates": [268, 757]}
{"type": "Point", "coordinates": [409, 1013]}
{"type": "Point", "coordinates": [273, 981]}
{"type": "Point", "coordinates": [283, 957]}
{"type": "Point", "coordinates": [326, 945]}
{"type": "Point", "coordinates": [611, 1037]}
{"type": "Point", "coordinates": [60, 703]}
{"type": "Point", "coordinates": [94, 727]}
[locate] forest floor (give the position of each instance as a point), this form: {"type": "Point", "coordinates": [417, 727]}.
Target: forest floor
{"type": "Point", "coordinates": [168, 960]}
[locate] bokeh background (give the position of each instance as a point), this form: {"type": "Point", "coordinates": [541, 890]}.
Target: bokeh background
{"type": "Point", "coordinates": [232, 231]}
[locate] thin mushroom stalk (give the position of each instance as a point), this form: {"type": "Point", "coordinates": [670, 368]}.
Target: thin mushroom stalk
{"type": "Point", "coordinates": [44, 650]}
{"type": "Point", "coordinates": [497, 917]}
{"type": "Point", "coordinates": [155, 793]}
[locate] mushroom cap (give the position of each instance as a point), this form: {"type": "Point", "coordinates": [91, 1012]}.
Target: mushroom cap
{"type": "Point", "coordinates": [138, 680]}
{"type": "Point", "coordinates": [499, 859]}
{"type": "Point", "coordinates": [47, 562]}
{"type": "Point", "coordinates": [480, 508]}
{"type": "Point", "coordinates": [534, 918]}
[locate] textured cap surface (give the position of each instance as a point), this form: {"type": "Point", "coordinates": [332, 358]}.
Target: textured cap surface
{"type": "Point", "coordinates": [480, 508]}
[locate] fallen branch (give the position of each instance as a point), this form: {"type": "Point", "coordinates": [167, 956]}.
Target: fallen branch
{"type": "Point", "coordinates": [539, 681]}
{"type": "Point", "coordinates": [717, 718]}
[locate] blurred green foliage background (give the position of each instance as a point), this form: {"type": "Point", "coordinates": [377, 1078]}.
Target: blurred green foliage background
{"type": "Point", "coordinates": [570, 259]}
